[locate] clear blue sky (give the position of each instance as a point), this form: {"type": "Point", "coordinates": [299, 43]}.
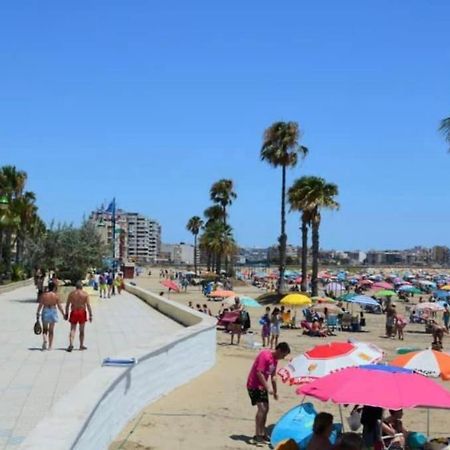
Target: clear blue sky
{"type": "Point", "coordinates": [151, 102]}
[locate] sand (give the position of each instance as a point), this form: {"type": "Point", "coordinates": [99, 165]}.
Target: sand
{"type": "Point", "coordinates": [214, 411]}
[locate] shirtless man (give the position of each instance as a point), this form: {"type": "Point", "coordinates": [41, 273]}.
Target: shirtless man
{"type": "Point", "coordinates": [78, 302]}
{"type": "Point", "coordinates": [48, 302]}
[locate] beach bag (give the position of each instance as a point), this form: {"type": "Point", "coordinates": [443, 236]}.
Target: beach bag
{"type": "Point", "coordinates": [37, 327]}
{"type": "Point", "coordinates": [354, 420]}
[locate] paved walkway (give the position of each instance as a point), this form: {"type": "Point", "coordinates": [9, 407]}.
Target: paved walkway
{"type": "Point", "coordinates": [31, 381]}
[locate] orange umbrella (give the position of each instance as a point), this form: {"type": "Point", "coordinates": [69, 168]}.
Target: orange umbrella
{"type": "Point", "coordinates": [427, 362]}
{"type": "Point", "coordinates": [222, 294]}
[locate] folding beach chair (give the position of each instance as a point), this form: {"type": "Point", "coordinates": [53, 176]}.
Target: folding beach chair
{"type": "Point", "coordinates": [391, 442]}
{"type": "Point", "coordinates": [332, 323]}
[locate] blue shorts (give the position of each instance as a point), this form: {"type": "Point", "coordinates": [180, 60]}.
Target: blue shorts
{"type": "Point", "coordinates": [49, 315]}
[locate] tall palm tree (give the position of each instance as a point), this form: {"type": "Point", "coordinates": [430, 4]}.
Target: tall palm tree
{"type": "Point", "coordinates": [25, 210]}
{"type": "Point", "coordinates": [194, 225]}
{"type": "Point", "coordinates": [213, 214]}
{"type": "Point", "coordinates": [281, 148]}
{"type": "Point", "coordinates": [222, 192]}
{"type": "Point", "coordinates": [315, 194]}
{"type": "Point", "coordinates": [296, 202]}
{"type": "Point", "coordinates": [445, 129]}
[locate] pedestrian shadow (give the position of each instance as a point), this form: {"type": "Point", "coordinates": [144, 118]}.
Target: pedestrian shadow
{"type": "Point", "coordinates": [24, 300]}
{"type": "Point", "coordinates": [34, 349]}
{"type": "Point", "coordinates": [242, 438]}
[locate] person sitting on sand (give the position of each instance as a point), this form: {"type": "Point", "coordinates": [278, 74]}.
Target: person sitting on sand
{"type": "Point", "coordinates": [322, 428]}
{"type": "Point", "coordinates": [438, 334]}
{"type": "Point", "coordinates": [349, 441]}
{"type": "Point", "coordinates": [393, 426]}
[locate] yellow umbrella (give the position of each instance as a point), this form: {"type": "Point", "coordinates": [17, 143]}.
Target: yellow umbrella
{"type": "Point", "coordinates": [445, 288]}
{"type": "Point", "coordinates": [296, 300]}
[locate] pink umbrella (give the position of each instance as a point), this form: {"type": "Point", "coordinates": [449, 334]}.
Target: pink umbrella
{"type": "Point", "coordinates": [380, 387]}
{"type": "Point", "coordinates": [169, 284]}
{"type": "Point", "coordinates": [382, 285]}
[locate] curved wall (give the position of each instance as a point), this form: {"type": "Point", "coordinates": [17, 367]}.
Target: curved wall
{"type": "Point", "coordinates": [94, 411]}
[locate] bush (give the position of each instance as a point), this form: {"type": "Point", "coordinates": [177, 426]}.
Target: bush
{"type": "Point", "coordinates": [18, 273]}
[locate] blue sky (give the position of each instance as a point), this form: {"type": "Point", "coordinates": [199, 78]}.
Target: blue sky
{"type": "Point", "coordinates": [152, 102]}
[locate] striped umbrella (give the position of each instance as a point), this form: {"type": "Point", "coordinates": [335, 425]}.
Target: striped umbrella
{"type": "Point", "coordinates": [427, 362]}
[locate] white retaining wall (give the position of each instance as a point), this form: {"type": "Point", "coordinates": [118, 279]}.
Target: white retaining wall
{"type": "Point", "coordinates": [94, 411]}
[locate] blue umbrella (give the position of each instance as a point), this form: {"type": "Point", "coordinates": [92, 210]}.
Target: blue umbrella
{"type": "Point", "coordinates": [249, 302]}
{"type": "Point", "coordinates": [362, 300]}
{"type": "Point", "coordinates": [385, 368]}
{"type": "Point", "coordinates": [441, 294]}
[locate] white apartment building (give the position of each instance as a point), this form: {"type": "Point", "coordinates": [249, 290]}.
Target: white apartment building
{"type": "Point", "coordinates": [179, 253]}
{"type": "Point", "coordinates": [144, 238]}
{"type": "Point", "coordinates": [138, 238]}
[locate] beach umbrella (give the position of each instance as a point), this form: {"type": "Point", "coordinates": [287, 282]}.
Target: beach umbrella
{"type": "Point", "coordinates": [380, 386]}
{"type": "Point", "coordinates": [335, 287]}
{"type": "Point", "coordinates": [365, 282]}
{"type": "Point", "coordinates": [429, 306]}
{"type": "Point", "coordinates": [362, 300]}
{"type": "Point", "coordinates": [385, 293]}
{"type": "Point", "coordinates": [445, 288]}
{"type": "Point", "coordinates": [244, 300]}
{"type": "Point", "coordinates": [296, 300]}
{"type": "Point", "coordinates": [332, 308]}
{"type": "Point", "coordinates": [345, 297]}
{"type": "Point", "coordinates": [169, 284]}
{"type": "Point", "coordinates": [327, 358]}
{"type": "Point", "coordinates": [427, 362]}
{"type": "Point", "coordinates": [222, 294]}
{"type": "Point", "coordinates": [382, 285]}
{"type": "Point", "coordinates": [410, 289]}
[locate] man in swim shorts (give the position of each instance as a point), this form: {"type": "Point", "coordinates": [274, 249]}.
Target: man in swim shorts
{"type": "Point", "coordinates": [78, 303]}
{"type": "Point", "coordinates": [48, 302]}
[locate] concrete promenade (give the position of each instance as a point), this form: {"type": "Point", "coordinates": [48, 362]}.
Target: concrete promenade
{"type": "Point", "coordinates": [31, 381]}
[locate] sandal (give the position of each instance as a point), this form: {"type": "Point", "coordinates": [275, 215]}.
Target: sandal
{"type": "Point", "coordinates": [70, 348]}
{"type": "Point", "coordinates": [83, 347]}
{"type": "Point", "coordinates": [256, 441]}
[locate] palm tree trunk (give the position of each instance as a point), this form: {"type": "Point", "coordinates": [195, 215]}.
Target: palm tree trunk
{"type": "Point", "coordinates": [224, 228]}
{"type": "Point", "coordinates": [283, 237]}
{"type": "Point", "coordinates": [208, 261]}
{"type": "Point", "coordinates": [315, 255]}
{"type": "Point", "coordinates": [304, 227]}
{"type": "Point", "coordinates": [218, 263]}
{"type": "Point", "coordinates": [195, 254]}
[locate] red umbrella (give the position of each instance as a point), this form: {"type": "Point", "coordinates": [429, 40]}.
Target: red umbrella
{"type": "Point", "coordinates": [382, 285]}
{"type": "Point", "coordinates": [169, 284]}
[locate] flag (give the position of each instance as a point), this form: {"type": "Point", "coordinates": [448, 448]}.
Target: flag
{"type": "Point", "coordinates": [111, 207]}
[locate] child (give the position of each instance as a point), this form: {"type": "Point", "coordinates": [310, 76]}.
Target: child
{"type": "Point", "coordinates": [265, 331]}
{"type": "Point", "coordinates": [400, 324]}
{"type": "Point", "coordinates": [275, 323]}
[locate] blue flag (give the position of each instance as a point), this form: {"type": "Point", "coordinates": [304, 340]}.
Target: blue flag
{"type": "Point", "coordinates": [112, 207]}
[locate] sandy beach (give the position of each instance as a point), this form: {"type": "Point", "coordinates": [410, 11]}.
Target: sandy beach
{"type": "Point", "coordinates": [214, 411]}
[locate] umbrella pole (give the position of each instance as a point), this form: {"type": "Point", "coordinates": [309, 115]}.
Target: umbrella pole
{"type": "Point", "coordinates": [342, 418]}
{"type": "Point", "coordinates": [428, 422]}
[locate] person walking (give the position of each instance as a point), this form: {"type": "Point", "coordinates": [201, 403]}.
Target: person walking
{"type": "Point", "coordinates": [48, 304]}
{"type": "Point", "coordinates": [78, 303]}
{"type": "Point", "coordinates": [263, 368]}
{"type": "Point", "coordinates": [102, 284]}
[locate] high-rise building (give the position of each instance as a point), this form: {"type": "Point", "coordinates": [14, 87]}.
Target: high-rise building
{"type": "Point", "coordinates": [138, 238]}
{"type": "Point", "coordinates": [144, 238]}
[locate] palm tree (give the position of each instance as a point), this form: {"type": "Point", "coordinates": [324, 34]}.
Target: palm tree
{"type": "Point", "coordinates": [194, 225]}
{"type": "Point", "coordinates": [445, 129]}
{"type": "Point", "coordinates": [296, 202]}
{"type": "Point", "coordinates": [222, 193]}
{"type": "Point", "coordinates": [281, 148]}
{"type": "Point", "coordinates": [315, 194]}
{"type": "Point", "coordinates": [12, 183]}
